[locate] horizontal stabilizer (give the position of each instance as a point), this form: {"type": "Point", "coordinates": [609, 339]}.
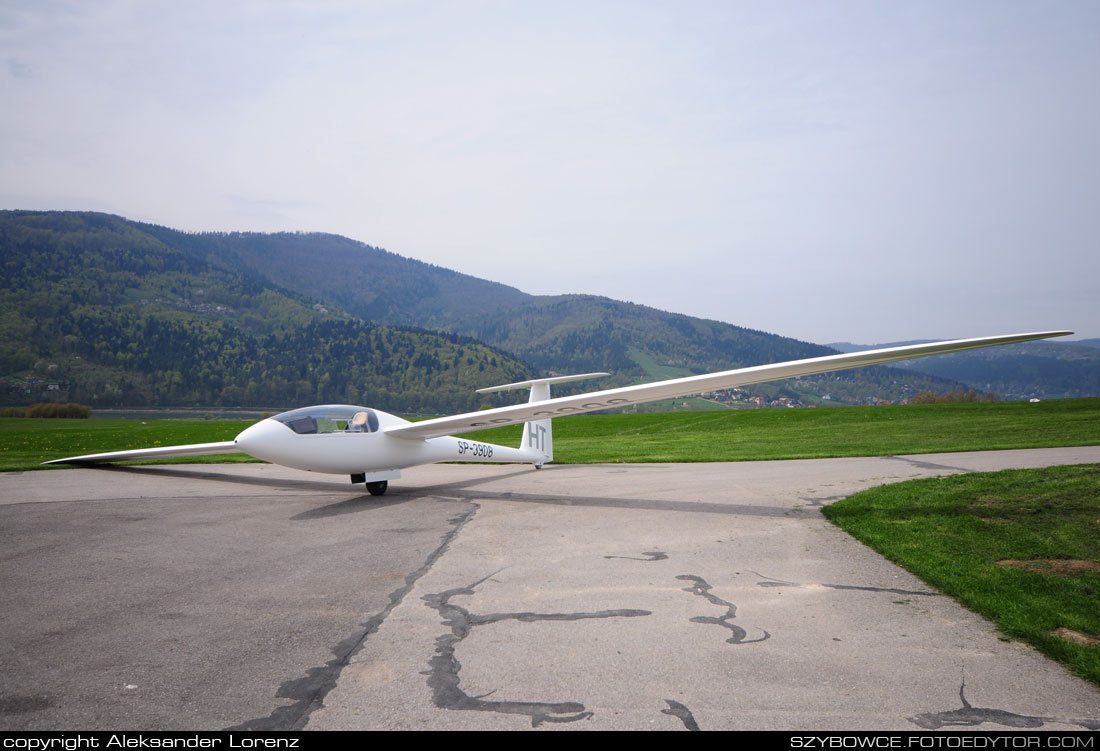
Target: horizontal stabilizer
{"type": "Point", "coordinates": [537, 381]}
{"type": "Point", "coordinates": [194, 449]}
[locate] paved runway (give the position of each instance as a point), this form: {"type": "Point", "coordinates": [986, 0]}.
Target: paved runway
{"type": "Point", "coordinates": [711, 596]}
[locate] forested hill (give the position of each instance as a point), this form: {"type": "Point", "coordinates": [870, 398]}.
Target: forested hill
{"type": "Point", "coordinates": [369, 282]}
{"type": "Point", "coordinates": [96, 309]}
{"type": "Point", "coordinates": [567, 333]}
{"type": "Point", "coordinates": [91, 301]}
{"type": "Point", "coordinates": [113, 312]}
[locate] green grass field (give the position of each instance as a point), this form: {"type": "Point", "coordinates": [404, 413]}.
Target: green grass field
{"type": "Point", "coordinates": [655, 369]}
{"type": "Point", "coordinates": [744, 435]}
{"type": "Point", "coordinates": [721, 436]}
{"type": "Point", "coordinates": [25, 443]}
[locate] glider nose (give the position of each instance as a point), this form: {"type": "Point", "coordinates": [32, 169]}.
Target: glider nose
{"type": "Point", "coordinates": [261, 439]}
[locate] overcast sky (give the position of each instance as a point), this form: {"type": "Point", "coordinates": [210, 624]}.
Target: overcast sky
{"type": "Point", "coordinates": [860, 171]}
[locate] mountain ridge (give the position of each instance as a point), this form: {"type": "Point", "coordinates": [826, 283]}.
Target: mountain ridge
{"type": "Point", "coordinates": [568, 333]}
{"type": "Point", "coordinates": [310, 278]}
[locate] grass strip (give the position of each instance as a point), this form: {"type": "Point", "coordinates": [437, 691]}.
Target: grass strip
{"type": "Point", "coordinates": [725, 436]}
{"type": "Point", "coordinates": [752, 435]}
{"type": "Point", "coordinates": [26, 443]}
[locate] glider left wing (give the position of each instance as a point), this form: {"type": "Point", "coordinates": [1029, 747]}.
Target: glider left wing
{"type": "Point", "coordinates": [647, 392]}
{"type": "Point", "coordinates": [194, 449]}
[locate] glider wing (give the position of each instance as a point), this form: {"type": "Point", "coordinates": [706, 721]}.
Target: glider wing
{"type": "Point", "coordinates": [194, 449]}
{"type": "Point", "coordinates": [647, 392]}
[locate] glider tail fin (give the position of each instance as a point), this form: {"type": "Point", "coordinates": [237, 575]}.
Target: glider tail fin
{"type": "Point", "coordinates": [538, 436]}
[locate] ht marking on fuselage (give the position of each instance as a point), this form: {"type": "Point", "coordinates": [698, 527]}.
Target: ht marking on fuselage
{"type": "Point", "coordinates": [536, 436]}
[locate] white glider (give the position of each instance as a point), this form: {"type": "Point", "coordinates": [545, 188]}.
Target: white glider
{"type": "Point", "coordinates": [373, 446]}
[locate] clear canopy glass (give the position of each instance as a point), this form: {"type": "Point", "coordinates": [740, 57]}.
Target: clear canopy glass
{"type": "Point", "coordinates": [330, 418]}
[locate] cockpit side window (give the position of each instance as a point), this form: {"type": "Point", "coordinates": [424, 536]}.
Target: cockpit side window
{"type": "Point", "coordinates": [302, 425]}
{"type": "Point", "coordinates": [331, 418]}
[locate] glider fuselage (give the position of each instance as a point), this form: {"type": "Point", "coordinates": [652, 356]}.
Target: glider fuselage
{"type": "Point", "coordinates": [325, 439]}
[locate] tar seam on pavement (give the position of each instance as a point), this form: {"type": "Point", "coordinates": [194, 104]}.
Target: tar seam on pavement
{"type": "Point", "coordinates": [443, 676]}
{"type": "Point", "coordinates": [781, 583]}
{"type": "Point", "coordinates": [651, 555]}
{"type": "Point", "coordinates": [701, 588]}
{"type": "Point", "coordinates": [676, 709]}
{"type": "Point", "coordinates": [310, 690]}
{"type": "Point", "coordinates": [970, 716]}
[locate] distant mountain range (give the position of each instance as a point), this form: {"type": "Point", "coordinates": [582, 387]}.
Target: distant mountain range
{"type": "Point", "coordinates": [120, 312]}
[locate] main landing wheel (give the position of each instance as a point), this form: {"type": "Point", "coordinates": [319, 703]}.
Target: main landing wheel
{"type": "Point", "coordinates": [377, 488]}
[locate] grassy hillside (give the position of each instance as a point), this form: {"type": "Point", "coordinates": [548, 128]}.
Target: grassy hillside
{"type": "Point", "coordinates": [94, 310]}
{"type": "Point", "coordinates": [370, 282]}
{"type": "Point", "coordinates": [565, 333]}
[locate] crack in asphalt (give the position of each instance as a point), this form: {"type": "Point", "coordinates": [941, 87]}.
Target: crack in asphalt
{"type": "Point", "coordinates": [701, 588]}
{"type": "Point", "coordinates": [676, 709]}
{"type": "Point", "coordinates": [309, 691]}
{"type": "Point", "coordinates": [781, 583]}
{"type": "Point", "coordinates": [820, 502]}
{"type": "Point", "coordinates": [927, 465]}
{"type": "Point", "coordinates": [651, 555]}
{"type": "Point", "coordinates": [880, 589]}
{"type": "Point", "coordinates": [972, 716]}
{"type": "Point", "coordinates": [443, 677]}
{"type": "Point", "coordinates": [636, 504]}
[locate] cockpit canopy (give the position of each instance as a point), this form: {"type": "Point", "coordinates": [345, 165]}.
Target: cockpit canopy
{"type": "Point", "coordinates": [330, 418]}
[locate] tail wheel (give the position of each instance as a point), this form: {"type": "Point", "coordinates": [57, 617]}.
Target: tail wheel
{"type": "Point", "coordinates": [377, 488]}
